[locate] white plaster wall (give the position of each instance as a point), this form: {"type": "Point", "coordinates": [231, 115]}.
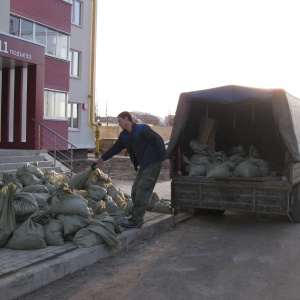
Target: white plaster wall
{"type": "Point", "coordinates": [4, 16]}
{"type": "Point", "coordinates": [79, 88]}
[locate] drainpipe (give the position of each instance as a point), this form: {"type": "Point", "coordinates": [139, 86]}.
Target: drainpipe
{"type": "Point", "coordinates": [92, 76]}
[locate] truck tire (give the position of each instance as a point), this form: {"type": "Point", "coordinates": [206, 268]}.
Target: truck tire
{"type": "Point", "coordinates": [296, 204]}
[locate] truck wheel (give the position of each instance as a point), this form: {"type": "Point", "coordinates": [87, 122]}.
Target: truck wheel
{"type": "Point", "coordinates": [296, 204]}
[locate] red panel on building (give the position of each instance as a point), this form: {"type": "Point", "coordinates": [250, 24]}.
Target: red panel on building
{"type": "Point", "coordinates": [57, 74]}
{"type": "Point", "coordinates": [54, 13]}
{"type": "Point", "coordinates": [24, 51]}
{"type": "Point", "coordinates": [5, 105]}
{"type": "Point", "coordinates": [61, 128]}
{"type": "Point", "coordinates": [27, 59]}
{"type": "Point", "coordinates": [21, 55]}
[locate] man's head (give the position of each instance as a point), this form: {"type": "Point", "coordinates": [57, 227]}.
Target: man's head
{"type": "Point", "coordinates": [125, 120]}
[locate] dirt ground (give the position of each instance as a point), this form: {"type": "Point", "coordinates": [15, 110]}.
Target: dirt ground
{"type": "Point", "coordinates": [118, 167]}
{"type": "Point", "coordinates": [205, 257]}
{"type": "Point", "coordinates": [235, 256]}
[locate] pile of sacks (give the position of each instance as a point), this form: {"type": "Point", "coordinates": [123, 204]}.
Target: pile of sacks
{"type": "Point", "coordinates": [40, 209]}
{"type": "Point", "coordinates": [209, 163]}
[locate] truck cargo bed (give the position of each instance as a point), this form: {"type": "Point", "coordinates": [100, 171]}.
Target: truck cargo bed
{"type": "Point", "coordinates": [259, 195]}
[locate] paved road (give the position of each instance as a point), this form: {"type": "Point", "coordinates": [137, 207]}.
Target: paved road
{"type": "Point", "coordinates": [234, 257]}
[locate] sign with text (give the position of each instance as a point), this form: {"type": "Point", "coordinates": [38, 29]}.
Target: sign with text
{"type": "Point", "coordinates": [21, 50]}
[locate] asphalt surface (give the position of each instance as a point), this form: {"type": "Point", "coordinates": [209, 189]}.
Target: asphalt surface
{"type": "Point", "coordinates": [238, 256]}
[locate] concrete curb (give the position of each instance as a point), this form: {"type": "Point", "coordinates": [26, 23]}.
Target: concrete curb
{"type": "Point", "coordinates": [183, 216]}
{"type": "Point", "coordinates": [33, 277]}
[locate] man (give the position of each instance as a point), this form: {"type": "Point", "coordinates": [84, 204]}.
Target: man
{"type": "Point", "coordinates": [147, 153]}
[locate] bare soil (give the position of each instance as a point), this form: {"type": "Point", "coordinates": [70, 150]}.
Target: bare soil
{"type": "Point", "coordinates": [117, 168]}
{"type": "Point", "coordinates": [235, 256]}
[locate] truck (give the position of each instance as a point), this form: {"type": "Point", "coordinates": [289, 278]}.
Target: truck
{"type": "Point", "coordinates": [249, 124]}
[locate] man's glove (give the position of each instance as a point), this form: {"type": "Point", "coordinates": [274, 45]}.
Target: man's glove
{"type": "Point", "coordinates": [94, 166]}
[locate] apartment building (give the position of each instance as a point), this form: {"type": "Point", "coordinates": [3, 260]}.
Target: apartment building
{"type": "Point", "coordinates": [45, 50]}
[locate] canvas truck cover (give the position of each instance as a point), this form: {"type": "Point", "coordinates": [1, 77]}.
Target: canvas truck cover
{"type": "Point", "coordinates": [286, 109]}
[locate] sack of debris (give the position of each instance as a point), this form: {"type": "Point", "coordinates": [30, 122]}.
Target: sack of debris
{"type": "Point", "coordinates": [197, 147]}
{"type": "Point", "coordinates": [98, 178]}
{"type": "Point", "coordinates": [78, 180]}
{"type": "Point", "coordinates": [96, 192]}
{"type": "Point", "coordinates": [30, 168]}
{"type": "Point", "coordinates": [163, 206]}
{"type": "Point", "coordinates": [217, 170]}
{"type": "Point", "coordinates": [100, 230]}
{"type": "Point", "coordinates": [30, 235]}
{"type": "Point", "coordinates": [51, 208]}
{"type": "Point", "coordinates": [196, 170]}
{"type": "Point", "coordinates": [247, 169]}
{"type": "Point", "coordinates": [117, 195]}
{"type": "Point", "coordinates": [67, 202]}
{"type": "Point", "coordinates": [7, 178]}
{"type": "Point", "coordinates": [72, 223]}
{"type": "Point", "coordinates": [54, 233]}
{"type": "Point", "coordinates": [7, 213]}
{"type": "Point", "coordinates": [25, 205]}
{"type": "Point", "coordinates": [52, 178]}
{"type": "Point", "coordinates": [261, 164]}
{"type": "Point", "coordinates": [199, 159]}
{"type": "Point", "coordinates": [152, 201]}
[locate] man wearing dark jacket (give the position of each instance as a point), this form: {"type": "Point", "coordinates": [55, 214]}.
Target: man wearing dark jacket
{"type": "Point", "coordinates": [147, 153]}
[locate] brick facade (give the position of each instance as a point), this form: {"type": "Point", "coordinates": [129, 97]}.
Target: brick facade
{"type": "Point", "coordinates": [57, 74]}
{"type": "Point", "coordinates": [54, 13]}
{"type": "Point", "coordinates": [22, 92]}
{"type": "Point", "coordinates": [60, 127]}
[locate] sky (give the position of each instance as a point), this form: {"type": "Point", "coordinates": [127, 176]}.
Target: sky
{"type": "Point", "coordinates": [148, 52]}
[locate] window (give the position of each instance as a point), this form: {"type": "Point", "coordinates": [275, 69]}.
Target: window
{"type": "Point", "coordinates": [62, 45]}
{"type": "Point", "coordinates": [73, 110]}
{"type": "Point", "coordinates": [51, 42]}
{"type": "Point", "coordinates": [55, 104]}
{"type": "Point", "coordinates": [40, 34]}
{"type": "Point", "coordinates": [14, 26]}
{"type": "Point", "coordinates": [74, 63]}
{"type": "Point", "coordinates": [26, 29]}
{"type": "Point", "coordinates": [76, 12]}
{"type": "Point", "coordinates": [57, 43]}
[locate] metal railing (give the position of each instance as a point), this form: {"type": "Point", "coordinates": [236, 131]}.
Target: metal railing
{"type": "Point", "coordinates": [49, 140]}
